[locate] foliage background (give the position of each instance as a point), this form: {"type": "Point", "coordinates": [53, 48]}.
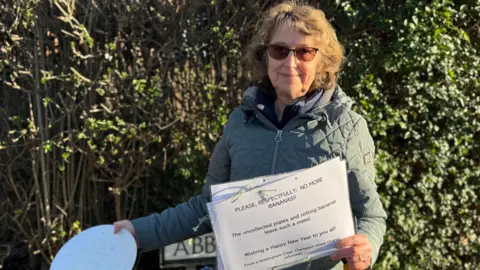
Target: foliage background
{"type": "Point", "coordinates": [110, 110]}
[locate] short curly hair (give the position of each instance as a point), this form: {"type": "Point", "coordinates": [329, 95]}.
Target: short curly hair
{"type": "Point", "coordinates": [310, 22]}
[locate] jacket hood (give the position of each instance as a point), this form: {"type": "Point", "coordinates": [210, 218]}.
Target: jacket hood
{"type": "Point", "coordinates": [334, 95]}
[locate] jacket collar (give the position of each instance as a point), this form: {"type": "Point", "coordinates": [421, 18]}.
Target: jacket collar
{"type": "Point", "coordinates": [335, 95]}
{"type": "Point", "coordinates": [265, 103]}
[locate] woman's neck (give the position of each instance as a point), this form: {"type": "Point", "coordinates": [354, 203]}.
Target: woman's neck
{"type": "Point", "coordinates": [281, 102]}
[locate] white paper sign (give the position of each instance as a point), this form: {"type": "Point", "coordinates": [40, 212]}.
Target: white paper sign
{"type": "Point", "coordinates": [290, 221]}
{"type": "Point", "coordinates": [97, 248]}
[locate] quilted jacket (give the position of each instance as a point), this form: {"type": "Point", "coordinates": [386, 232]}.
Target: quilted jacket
{"type": "Point", "coordinates": [252, 146]}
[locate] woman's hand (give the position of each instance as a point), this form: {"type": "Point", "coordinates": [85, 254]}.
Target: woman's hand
{"type": "Point", "coordinates": [356, 249]}
{"type": "Point", "coordinates": [127, 225]}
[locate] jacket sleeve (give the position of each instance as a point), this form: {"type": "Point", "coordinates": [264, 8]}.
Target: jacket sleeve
{"type": "Point", "coordinates": [179, 223]}
{"type": "Point", "coordinates": [365, 201]}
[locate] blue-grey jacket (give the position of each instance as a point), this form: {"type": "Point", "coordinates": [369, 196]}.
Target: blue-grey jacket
{"type": "Point", "coordinates": [252, 146]}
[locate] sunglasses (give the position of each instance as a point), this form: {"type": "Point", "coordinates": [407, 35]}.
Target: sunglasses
{"type": "Point", "coordinates": [280, 52]}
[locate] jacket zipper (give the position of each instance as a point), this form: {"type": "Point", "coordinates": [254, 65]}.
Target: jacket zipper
{"type": "Point", "coordinates": [278, 136]}
{"type": "Point", "coordinates": [278, 140]}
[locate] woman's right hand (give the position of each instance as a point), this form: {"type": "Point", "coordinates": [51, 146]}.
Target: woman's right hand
{"type": "Point", "coordinates": [127, 225]}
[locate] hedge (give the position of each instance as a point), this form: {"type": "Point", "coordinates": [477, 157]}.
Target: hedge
{"type": "Point", "coordinates": [110, 110]}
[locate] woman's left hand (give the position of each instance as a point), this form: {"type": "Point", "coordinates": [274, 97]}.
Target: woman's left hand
{"type": "Point", "coordinates": [356, 249]}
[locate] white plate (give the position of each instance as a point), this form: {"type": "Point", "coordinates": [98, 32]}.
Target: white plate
{"type": "Point", "coordinates": [97, 248]}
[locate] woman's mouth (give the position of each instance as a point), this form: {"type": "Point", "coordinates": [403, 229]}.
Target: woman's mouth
{"type": "Point", "coordinates": [289, 75]}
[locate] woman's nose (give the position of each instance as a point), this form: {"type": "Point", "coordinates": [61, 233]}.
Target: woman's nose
{"type": "Point", "coordinates": [291, 60]}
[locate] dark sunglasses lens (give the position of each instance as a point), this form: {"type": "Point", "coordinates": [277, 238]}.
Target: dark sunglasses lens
{"type": "Point", "coordinates": [278, 52]}
{"type": "Point", "coordinates": [305, 54]}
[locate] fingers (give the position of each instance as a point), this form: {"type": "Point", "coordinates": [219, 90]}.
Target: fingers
{"type": "Point", "coordinates": [356, 240]}
{"type": "Point", "coordinates": [350, 252]}
{"type": "Point", "coordinates": [359, 262]}
{"type": "Point", "coordinates": [354, 248]}
{"type": "Point", "coordinates": [356, 258]}
{"type": "Point", "coordinates": [118, 226]}
{"type": "Point", "coordinates": [127, 225]}
{"type": "Point", "coordinates": [343, 253]}
{"type": "Point", "coordinates": [360, 258]}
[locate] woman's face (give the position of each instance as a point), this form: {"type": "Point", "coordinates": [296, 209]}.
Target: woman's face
{"type": "Point", "coordinates": [291, 76]}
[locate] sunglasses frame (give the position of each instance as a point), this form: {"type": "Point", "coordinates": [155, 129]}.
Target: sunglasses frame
{"type": "Point", "coordinates": [291, 50]}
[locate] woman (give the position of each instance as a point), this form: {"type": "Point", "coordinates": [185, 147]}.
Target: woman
{"type": "Point", "coordinates": [295, 117]}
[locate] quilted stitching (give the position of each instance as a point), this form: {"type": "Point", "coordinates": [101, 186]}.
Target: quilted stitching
{"type": "Point", "coordinates": [343, 134]}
